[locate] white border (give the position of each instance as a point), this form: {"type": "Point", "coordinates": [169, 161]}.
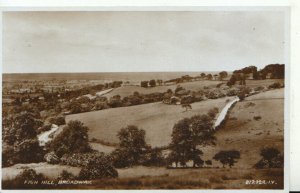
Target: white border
{"type": "Point", "coordinates": [188, 5]}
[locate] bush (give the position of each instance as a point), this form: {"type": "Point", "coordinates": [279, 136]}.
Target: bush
{"type": "Point", "coordinates": [51, 158]}
{"type": "Point", "coordinates": [97, 169]}
{"type": "Point", "coordinates": [271, 158]}
{"type": "Point", "coordinates": [275, 85]}
{"type": "Point", "coordinates": [80, 159]}
{"type": "Point", "coordinates": [241, 95]}
{"type": "Point", "coordinates": [257, 118]}
{"type": "Point", "coordinates": [60, 120]}
{"type": "Point", "coordinates": [44, 128]}
{"type": "Point", "coordinates": [65, 175]}
{"type": "Point", "coordinates": [213, 112]}
{"type": "Point", "coordinates": [232, 92]}
{"type": "Point", "coordinates": [227, 157]}
{"type": "Point", "coordinates": [208, 162]}
{"type": "Point", "coordinates": [154, 158]}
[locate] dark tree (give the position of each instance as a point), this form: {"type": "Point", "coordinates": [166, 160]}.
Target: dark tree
{"type": "Point", "coordinates": [232, 80]}
{"type": "Point", "coordinates": [152, 83]}
{"type": "Point", "coordinates": [209, 77]}
{"type": "Point", "coordinates": [227, 157]}
{"type": "Point", "coordinates": [203, 75]}
{"type": "Point", "coordinates": [131, 148]}
{"type": "Point", "coordinates": [223, 75]}
{"type": "Point", "coordinates": [144, 84]}
{"type": "Point", "coordinates": [187, 136]}
{"type": "Point", "coordinates": [73, 139]}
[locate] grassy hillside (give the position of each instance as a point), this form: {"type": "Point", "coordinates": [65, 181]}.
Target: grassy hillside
{"type": "Point", "coordinates": [242, 132]}
{"type": "Point", "coordinates": [157, 119]}
{"type": "Point", "coordinates": [128, 90]}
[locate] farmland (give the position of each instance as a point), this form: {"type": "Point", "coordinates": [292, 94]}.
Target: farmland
{"type": "Point", "coordinates": [194, 86]}
{"type": "Point", "coordinates": [153, 118]}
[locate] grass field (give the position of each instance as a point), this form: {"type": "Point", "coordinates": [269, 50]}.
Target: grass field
{"type": "Point", "coordinates": [266, 82]}
{"type": "Point", "coordinates": [129, 90]}
{"type": "Point", "coordinates": [157, 119]}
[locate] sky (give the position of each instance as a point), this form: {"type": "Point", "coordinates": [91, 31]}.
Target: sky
{"type": "Point", "coordinates": [141, 41]}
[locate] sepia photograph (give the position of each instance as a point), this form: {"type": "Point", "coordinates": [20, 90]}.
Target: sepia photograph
{"type": "Point", "coordinates": [144, 99]}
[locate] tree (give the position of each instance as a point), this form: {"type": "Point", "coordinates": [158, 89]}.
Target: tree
{"type": "Point", "coordinates": [209, 77]}
{"type": "Point", "coordinates": [187, 136]}
{"type": "Point", "coordinates": [152, 83]}
{"type": "Point", "coordinates": [131, 148]}
{"type": "Point", "coordinates": [223, 75]}
{"type": "Point", "coordinates": [144, 84]}
{"type": "Point", "coordinates": [20, 143]}
{"type": "Point", "coordinates": [73, 139]}
{"type": "Point", "coordinates": [271, 158]}
{"type": "Point", "coordinates": [232, 80]}
{"type": "Point", "coordinates": [203, 75]}
{"type": "Point", "coordinates": [227, 157]}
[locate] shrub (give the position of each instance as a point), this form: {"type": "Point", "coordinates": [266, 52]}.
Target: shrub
{"type": "Point", "coordinates": [213, 112]}
{"type": "Point", "coordinates": [271, 158]}
{"type": "Point", "coordinates": [227, 157]}
{"type": "Point", "coordinates": [275, 85]}
{"type": "Point", "coordinates": [80, 159]}
{"type": "Point", "coordinates": [97, 169]}
{"type": "Point", "coordinates": [153, 157]}
{"type": "Point", "coordinates": [232, 92]}
{"type": "Point", "coordinates": [60, 120]}
{"type": "Point", "coordinates": [242, 95]}
{"type": "Point", "coordinates": [208, 162]}
{"type": "Point", "coordinates": [44, 128]}
{"type": "Point", "coordinates": [65, 175]}
{"type": "Point", "coordinates": [51, 158]}
{"type": "Point", "coordinates": [257, 118]}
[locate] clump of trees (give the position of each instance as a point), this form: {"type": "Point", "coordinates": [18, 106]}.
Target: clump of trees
{"type": "Point", "coordinates": [271, 158]}
{"type": "Point", "coordinates": [187, 136]}
{"type": "Point", "coordinates": [227, 157]}
{"type": "Point", "coordinates": [151, 83]}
